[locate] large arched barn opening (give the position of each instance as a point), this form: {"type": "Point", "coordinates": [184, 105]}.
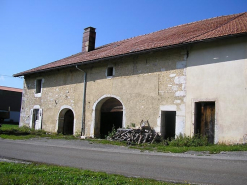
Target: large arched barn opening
{"type": "Point", "coordinates": [66, 122]}
{"type": "Point", "coordinates": [108, 115]}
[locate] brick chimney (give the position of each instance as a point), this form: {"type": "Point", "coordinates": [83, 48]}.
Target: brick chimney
{"type": "Point", "coordinates": [89, 36]}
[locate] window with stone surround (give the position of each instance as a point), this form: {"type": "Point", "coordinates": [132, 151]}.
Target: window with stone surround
{"type": "Point", "coordinates": [38, 87]}
{"type": "Point", "coordinates": [110, 71]}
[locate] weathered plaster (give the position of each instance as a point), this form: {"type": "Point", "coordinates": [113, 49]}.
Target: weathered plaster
{"type": "Point", "coordinates": [216, 71]}
{"type": "Point", "coordinates": [142, 83]}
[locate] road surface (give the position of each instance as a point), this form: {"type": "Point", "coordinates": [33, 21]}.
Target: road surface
{"type": "Point", "coordinates": [225, 168]}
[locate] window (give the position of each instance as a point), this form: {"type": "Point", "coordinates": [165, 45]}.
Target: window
{"type": "Point", "coordinates": [110, 72]}
{"type": "Point", "coordinates": [38, 85]}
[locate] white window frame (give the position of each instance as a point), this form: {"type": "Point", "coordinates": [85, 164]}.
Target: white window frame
{"type": "Point", "coordinates": [113, 71]}
{"type": "Point", "coordinates": [41, 87]}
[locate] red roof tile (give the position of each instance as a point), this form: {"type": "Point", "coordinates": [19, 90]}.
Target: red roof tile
{"type": "Point", "coordinates": [10, 89]}
{"type": "Point", "coordinates": [188, 33]}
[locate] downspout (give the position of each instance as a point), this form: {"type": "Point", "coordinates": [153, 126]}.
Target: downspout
{"type": "Point", "coordinates": [83, 102]}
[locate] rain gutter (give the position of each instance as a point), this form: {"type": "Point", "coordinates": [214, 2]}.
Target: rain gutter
{"type": "Point", "coordinates": [83, 102]}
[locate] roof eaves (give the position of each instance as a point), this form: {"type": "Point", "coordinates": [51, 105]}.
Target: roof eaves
{"type": "Point", "coordinates": [12, 89]}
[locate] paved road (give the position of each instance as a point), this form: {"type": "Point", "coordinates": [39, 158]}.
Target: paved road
{"type": "Point", "coordinates": [226, 168]}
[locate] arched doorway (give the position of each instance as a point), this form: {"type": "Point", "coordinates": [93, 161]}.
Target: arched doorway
{"type": "Point", "coordinates": [66, 122]}
{"type": "Point", "coordinates": [108, 114]}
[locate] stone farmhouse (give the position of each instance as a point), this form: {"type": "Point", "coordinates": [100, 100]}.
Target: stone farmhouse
{"type": "Point", "coordinates": [189, 79]}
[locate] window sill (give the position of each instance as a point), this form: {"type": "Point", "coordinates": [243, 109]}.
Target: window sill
{"type": "Point", "coordinates": [37, 95]}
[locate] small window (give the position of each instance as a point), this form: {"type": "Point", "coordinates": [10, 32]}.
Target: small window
{"type": "Point", "coordinates": [109, 71]}
{"type": "Point", "coordinates": [38, 85]}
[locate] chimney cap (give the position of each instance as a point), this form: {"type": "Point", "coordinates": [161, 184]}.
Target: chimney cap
{"type": "Point", "coordinates": [89, 28]}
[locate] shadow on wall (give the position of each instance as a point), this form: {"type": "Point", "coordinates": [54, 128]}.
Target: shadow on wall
{"type": "Point", "coordinates": [217, 52]}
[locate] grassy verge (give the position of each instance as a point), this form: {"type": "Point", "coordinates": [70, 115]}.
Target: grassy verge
{"type": "Point", "coordinates": [179, 145]}
{"type": "Point", "coordinates": [9, 126]}
{"type": "Point", "coordinates": [212, 149]}
{"type": "Point", "coordinates": [161, 147]}
{"type": "Point", "coordinates": [15, 132]}
{"type": "Point", "coordinates": [12, 173]}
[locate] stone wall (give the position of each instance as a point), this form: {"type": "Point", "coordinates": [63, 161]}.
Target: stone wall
{"type": "Point", "coordinates": [146, 84]}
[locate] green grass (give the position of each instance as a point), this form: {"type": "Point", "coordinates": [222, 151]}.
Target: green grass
{"type": "Point", "coordinates": [213, 149]}
{"type": "Point", "coordinates": [161, 147]}
{"type": "Point", "coordinates": [15, 132]}
{"type": "Point", "coordinates": [9, 126]}
{"type": "Point", "coordinates": [33, 174]}
{"type": "Point", "coordinates": [179, 145]}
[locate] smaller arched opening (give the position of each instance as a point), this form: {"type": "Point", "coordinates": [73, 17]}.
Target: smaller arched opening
{"type": "Point", "coordinates": [66, 122]}
{"type": "Point", "coordinates": [108, 114]}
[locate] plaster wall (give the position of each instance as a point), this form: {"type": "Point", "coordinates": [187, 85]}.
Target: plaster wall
{"type": "Point", "coordinates": [217, 71]}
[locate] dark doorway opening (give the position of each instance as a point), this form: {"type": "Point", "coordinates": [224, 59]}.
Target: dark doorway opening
{"type": "Point", "coordinates": [205, 120]}
{"type": "Point", "coordinates": [68, 125]}
{"type": "Point", "coordinates": [168, 124]}
{"type": "Point", "coordinates": [111, 116]}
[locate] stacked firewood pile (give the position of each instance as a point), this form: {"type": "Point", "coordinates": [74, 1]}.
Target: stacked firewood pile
{"type": "Point", "coordinates": [142, 134]}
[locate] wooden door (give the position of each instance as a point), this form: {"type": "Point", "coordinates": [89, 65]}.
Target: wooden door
{"type": "Point", "coordinates": [205, 120]}
{"type": "Point", "coordinates": [208, 120]}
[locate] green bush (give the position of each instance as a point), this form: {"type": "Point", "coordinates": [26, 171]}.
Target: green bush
{"type": "Point", "coordinates": [194, 141]}
{"type": "Point", "coordinates": [133, 124]}
{"type": "Point", "coordinates": [112, 132]}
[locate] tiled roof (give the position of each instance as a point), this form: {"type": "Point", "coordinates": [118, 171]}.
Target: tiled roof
{"type": "Point", "coordinates": [10, 89]}
{"type": "Point", "coordinates": [187, 33]}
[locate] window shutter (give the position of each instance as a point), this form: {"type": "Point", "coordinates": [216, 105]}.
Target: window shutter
{"type": "Point", "coordinates": [39, 126]}
{"type": "Point", "coordinates": [31, 118]}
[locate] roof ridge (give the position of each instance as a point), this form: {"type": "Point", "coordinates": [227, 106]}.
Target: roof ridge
{"type": "Point", "coordinates": [206, 19]}
{"type": "Point", "coordinates": [236, 16]}
{"type": "Point", "coordinates": [188, 33]}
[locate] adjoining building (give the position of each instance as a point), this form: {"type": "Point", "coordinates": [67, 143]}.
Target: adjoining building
{"type": "Point", "coordinates": [10, 104]}
{"type": "Point", "coordinates": [189, 79]}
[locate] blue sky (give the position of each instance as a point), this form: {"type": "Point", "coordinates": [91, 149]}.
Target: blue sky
{"type": "Point", "coordinates": [37, 32]}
